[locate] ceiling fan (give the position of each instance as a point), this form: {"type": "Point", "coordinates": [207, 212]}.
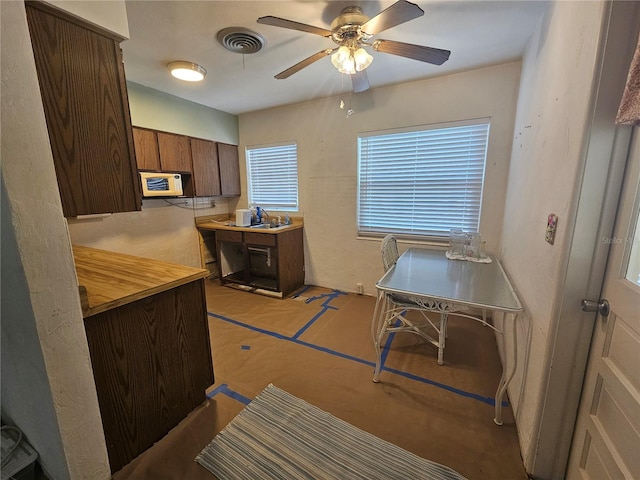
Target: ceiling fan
{"type": "Point", "coordinates": [352, 31]}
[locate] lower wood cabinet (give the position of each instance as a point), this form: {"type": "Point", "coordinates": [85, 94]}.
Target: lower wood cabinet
{"type": "Point", "coordinates": [273, 262]}
{"type": "Point", "coordinates": [151, 363]}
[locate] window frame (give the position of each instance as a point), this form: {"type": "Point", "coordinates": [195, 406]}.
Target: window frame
{"type": "Point", "coordinates": [369, 230]}
{"type": "Point", "coordinates": [272, 206]}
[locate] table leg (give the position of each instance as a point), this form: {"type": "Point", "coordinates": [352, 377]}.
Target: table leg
{"type": "Point", "coordinates": [442, 335]}
{"type": "Point", "coordinates": [377, 331]}
{"type": "Point", "coordinates": [506, 379]}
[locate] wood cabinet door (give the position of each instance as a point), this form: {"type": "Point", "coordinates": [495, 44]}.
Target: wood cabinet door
{"type": "Point", "coordinates": [175, 152]}
{"type": "Point", "coordinates": [146, 147]}
{"type": "Point", "coordinates": [291, 261]}
{"type": "Point", "coordinates": [85, 103]}
{"type": "Point", "coordinates": [151, 362]}
{"type": "Point", "coordinates": [229, 170]}
{"type": "Point", "coordinates": [206, 172]}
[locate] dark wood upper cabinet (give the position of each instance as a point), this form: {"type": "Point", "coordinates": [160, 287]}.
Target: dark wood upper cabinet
{"type": "Point", "coordinates": [146, 145]}
{"type": "Point", "coordinates": [206, 173]}
{"type": "Point", "coordinates": [213, 166]}
{"type": "Point", "coordinates": [175, 152]}
{"type": "Point", "coordinates": [86, 106]}
{"type": "Point", "coordinates": [229, 170]}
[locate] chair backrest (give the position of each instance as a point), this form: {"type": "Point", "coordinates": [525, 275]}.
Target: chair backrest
{"type": "Point", "coordinates": [389, 250]}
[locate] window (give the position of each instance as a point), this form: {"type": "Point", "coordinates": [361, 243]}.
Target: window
{"type": "Point", "coordinates": [273, 176]}
{"type": "Point", "coordinates": [422, 181]}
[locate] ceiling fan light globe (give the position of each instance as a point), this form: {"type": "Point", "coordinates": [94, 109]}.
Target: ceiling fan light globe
{"type": "Point", "coordinates": [348, 67]}
{"type": "Point", "coordinates": [349, 70]}
{"type": "Point", "coordinates": [341, 56]}
{"type": "Point", "coordinates": [362, 59]}
{"type": "Point", "coordinates": [343, 60]}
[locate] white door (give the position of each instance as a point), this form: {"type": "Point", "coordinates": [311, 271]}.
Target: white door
{"type": "Point", "coordinates": [606, 441]}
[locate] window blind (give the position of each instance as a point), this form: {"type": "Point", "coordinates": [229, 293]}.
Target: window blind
{"type": "Point", "coordinates": [423, 181]}
{"type": "Point", "coordinates": [273, 176]}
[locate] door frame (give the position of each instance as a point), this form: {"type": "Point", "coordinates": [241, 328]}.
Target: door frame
{"type": "Point", "coordinates": [604, 154]}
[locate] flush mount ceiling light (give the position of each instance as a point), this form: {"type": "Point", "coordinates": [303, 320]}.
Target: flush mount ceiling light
{"type": "Point", "coordinates": [187, 71]}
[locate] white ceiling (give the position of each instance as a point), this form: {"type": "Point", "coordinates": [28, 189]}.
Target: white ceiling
{"type": "Point", "coordinates": [478, 33]}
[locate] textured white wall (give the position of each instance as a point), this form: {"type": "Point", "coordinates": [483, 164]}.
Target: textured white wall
{"type": "Point", "coordinates": [160, 231]}
{"type": "Point", "coordinates": [47, 381]}
{"type": "Point", "coordinates": [327, 160]}
{"type": "Point", "coordinates": [553, 109]}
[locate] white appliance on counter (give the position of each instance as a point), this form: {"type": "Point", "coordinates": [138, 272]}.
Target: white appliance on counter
{"type": "Point", "coordinates": [243, 218]}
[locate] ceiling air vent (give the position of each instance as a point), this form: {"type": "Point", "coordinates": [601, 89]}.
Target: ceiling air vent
{"type": "Point", "coordinates": [240, 40]}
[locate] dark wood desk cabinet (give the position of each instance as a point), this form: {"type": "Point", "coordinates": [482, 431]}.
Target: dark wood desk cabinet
{"type": "Point", "coordinates": [271, 260]}
{"type": "Point", "coordinates": [149, 344]}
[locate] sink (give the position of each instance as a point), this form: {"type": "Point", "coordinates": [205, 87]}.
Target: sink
{"type": "Point", "coordinates": [266, 225]}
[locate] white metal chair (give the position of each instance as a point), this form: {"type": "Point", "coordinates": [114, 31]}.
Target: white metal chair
{"type": "Point", "coordinates": [395, 308]}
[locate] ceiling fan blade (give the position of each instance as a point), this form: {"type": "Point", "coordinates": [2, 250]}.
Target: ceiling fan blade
{"type": "Point", "coordinates": [400, 12]}
{"type": "Point", "coordinates": [303, 27]}
{"type": "Point", "coordinates": [360, 81]}
{"type": "Point", "coordinates": [304, 63]}
{"type": "Point", "coordinates": [416, 52]}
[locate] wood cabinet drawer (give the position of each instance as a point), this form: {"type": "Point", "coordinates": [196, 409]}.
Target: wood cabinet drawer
{"type": "Point", "coordinates": [260, 239]}
{"type": "Point", "coordinates": [228, 236]}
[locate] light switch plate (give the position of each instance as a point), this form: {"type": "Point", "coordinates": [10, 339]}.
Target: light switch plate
{"type": "Point", "coordinates": [552, 222]}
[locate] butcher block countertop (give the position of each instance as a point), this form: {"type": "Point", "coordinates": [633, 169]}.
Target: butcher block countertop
{"type": "Point", "coordinates": [215, 222]}
{"type": "Point", "coordinates": [108, 280]}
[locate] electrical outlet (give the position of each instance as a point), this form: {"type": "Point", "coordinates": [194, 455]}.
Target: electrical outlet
{"type": "Point", "coordinates": [359, 288]}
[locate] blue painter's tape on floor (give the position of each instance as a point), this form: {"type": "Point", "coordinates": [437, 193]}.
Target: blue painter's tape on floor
{"type": "Point", "coordinates": [330, 296]}
{"type": "Point", "coordinates": [385, 349]}
{"type": "Point", "coordinates": [301, 290]}
{"type": "Point", "coordinates": [310, 322]}
{"type": "Point", "coordinates": [250, 327]}
{"type": "Point", "coordinates": [216, 390]}
{"type": "Point", "coordinates": [224, 389]}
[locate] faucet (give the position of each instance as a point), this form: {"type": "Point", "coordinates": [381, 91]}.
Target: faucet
{"type": "Point", "coordinates": [261, 212]}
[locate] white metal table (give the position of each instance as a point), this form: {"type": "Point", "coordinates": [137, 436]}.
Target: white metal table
{"type": "Point", "coordinates": [446, 286]}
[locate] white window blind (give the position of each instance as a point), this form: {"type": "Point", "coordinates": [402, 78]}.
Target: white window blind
{"type": "Point", "coordinates": [273, 176]}
{"type": "Point", "coordinates": [422, 182]}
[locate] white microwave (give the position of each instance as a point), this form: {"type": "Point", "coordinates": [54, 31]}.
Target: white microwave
{"type": "Point", "coordinates": [159, 184]}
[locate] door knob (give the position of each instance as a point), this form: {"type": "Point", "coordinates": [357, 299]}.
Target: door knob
{"type": "Point", "coordinates": [602, 307]}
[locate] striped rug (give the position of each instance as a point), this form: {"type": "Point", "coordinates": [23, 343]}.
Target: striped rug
{"type": "Point", "coordinates": [279, 436]}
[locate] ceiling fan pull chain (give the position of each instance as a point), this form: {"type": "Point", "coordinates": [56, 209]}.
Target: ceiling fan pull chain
{"type": "Point", "coordinates": [350, 111]}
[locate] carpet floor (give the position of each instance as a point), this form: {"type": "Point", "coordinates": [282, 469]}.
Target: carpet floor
{"type": "Point", "coordinates": [317, 346]}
